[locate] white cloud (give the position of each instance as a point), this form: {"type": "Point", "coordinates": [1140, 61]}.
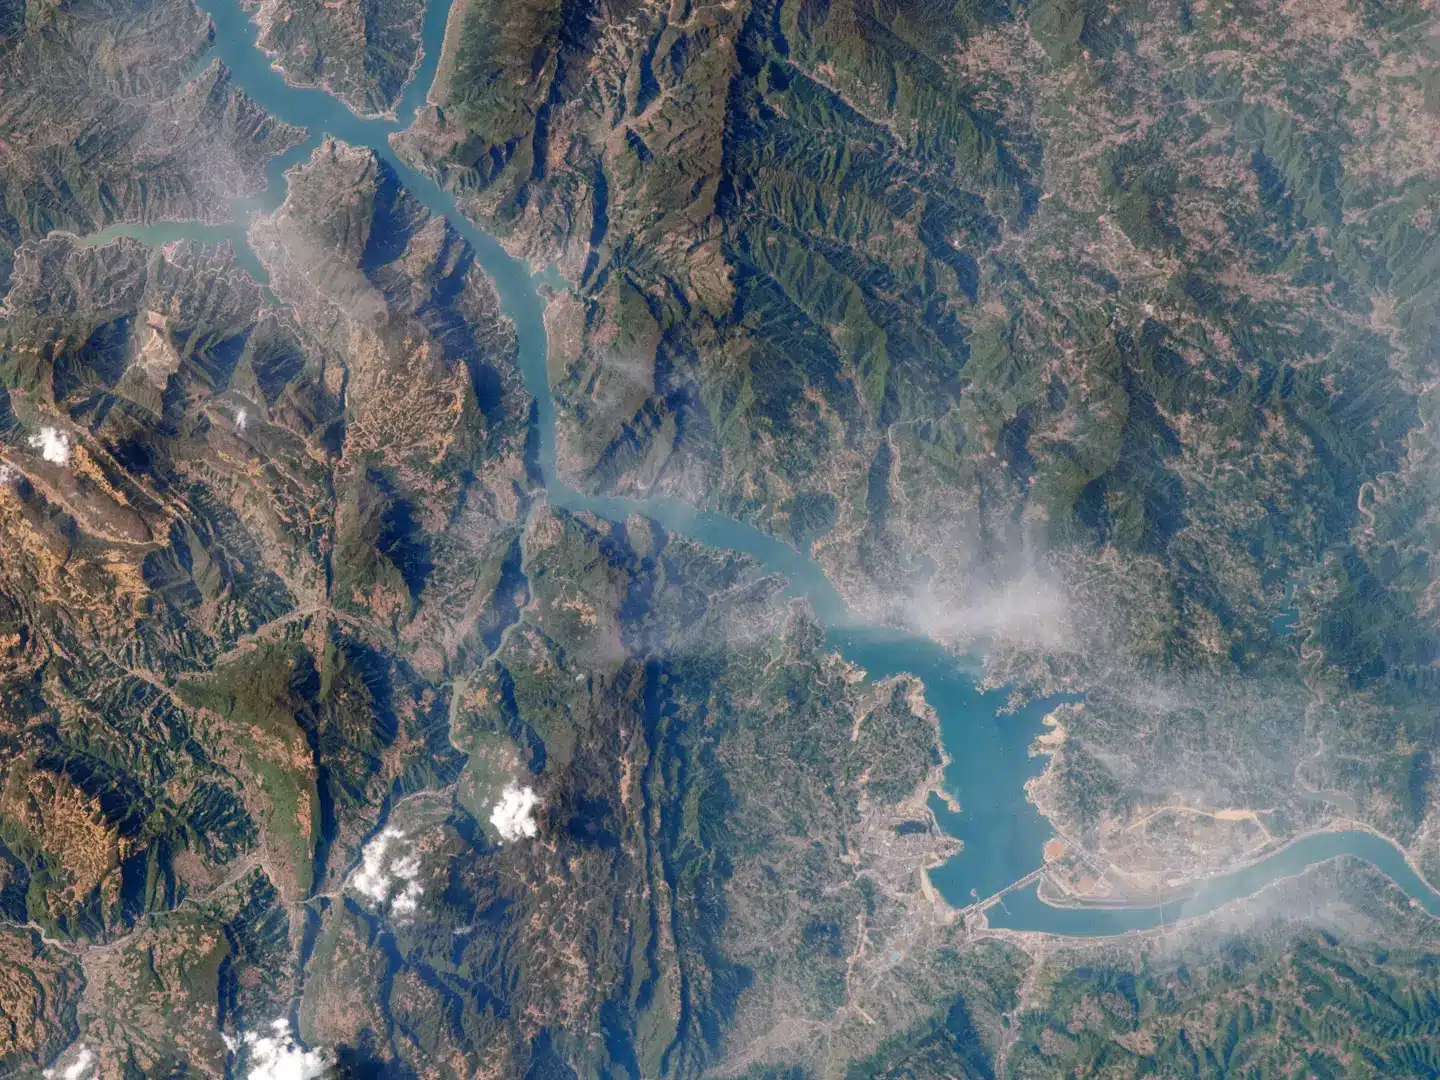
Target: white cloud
{"type": "Point", "coordinates": [278, 1057]}
{"type": "Point", "coordinates": [371, 879]}
{"type": "Point", "coordinates": [81, 1065]}
{"type": "Point", "coordinates": [407, 867]}
{"type": "Point", "coordinates": [53, 444]}
{"type": "Point", "coordinates": [242, 417]}
{"type": "Point", "coordinates": [1031, 609]}
{"type": "Point", "coordinates": [383, 867]}
{"type": "Point", "coordinates": [514, 815]}
{"type": "Point", "coordinates": [408, 899]}
{"type": "Point", "coordinates": [78, 1068]}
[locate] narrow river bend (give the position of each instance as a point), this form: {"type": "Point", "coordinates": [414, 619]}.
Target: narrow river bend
{"type": "Point", "coordinates": [1001, 831]}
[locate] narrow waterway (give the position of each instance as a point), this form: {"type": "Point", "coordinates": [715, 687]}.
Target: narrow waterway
{"type": "Point", "coordinates": [1001, 831]}
{"type": "Point", "coordinates": [1024, 910]}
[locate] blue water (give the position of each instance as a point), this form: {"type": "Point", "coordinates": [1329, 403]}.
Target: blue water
{"type": "Point", "coordinates": [1000, 828]}
{"type": "Point", "coordinates": [1024, 910]}
{"type": "Point", "coordinates": [1002, 832]}
{"type": "Point", "coordinates": [1284, 623]}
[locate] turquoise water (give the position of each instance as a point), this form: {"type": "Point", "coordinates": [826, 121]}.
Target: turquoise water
{"type": "Point", "coordinates": [1024, 910]}
{"type": "Point", "coordinates": [1001, 830]}
{"type": "Point", "coordinates": [1002, 833]}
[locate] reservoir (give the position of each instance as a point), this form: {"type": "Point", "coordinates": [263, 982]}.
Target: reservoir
{"type": "Point", "coordinates": [1002, 832]}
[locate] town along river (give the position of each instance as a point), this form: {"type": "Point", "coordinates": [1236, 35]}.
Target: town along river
{"type": "Point", "coordinates": [1001, 831]}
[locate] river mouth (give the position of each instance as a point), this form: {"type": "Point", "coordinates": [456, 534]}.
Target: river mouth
{"type": "Point", "coordinates": [1002, 832]}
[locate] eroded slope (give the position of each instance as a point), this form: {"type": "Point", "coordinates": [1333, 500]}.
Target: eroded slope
{"type": "Point", "coordinates": [107, 116]}
{"type": "Point", "coordinates": [1102, 334]}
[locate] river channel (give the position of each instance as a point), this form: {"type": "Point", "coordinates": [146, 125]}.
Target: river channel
{"type": "Point", "coordinates": [1001, 831]}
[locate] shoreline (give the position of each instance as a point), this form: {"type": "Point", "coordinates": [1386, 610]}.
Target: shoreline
{"type": "Point", "coordinates": [451, 35]}
{"type": "Point", "coordinates": [1179, 894]}
{"type": "Point", "coordinates": [1137, 933]}
{"type": "Point", "coordinates": [1181, 921]}
{"type": "Point", "coordinates": [390, 115]}
{"type": "Point", "coordinates": [439, 88]}
{"type": "Point", "coordinates": [1181, 899]}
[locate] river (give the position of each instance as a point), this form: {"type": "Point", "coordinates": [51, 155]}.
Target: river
{"type": "Point", "coordinates": [1001, 831]}
{"type": "Point", "coordinates": [1024, 910]}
